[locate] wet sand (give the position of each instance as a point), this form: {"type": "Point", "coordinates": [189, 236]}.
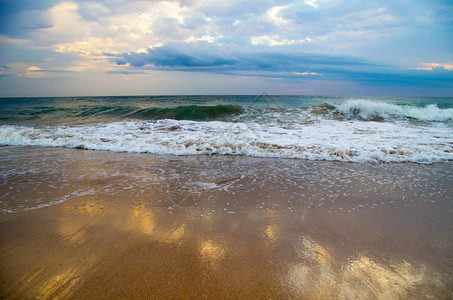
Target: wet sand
{"type": "Point", "coordinates": [83, 224]}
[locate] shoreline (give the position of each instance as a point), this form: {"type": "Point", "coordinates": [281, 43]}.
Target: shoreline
{"type": "Point", "coordinates": [150, 226]}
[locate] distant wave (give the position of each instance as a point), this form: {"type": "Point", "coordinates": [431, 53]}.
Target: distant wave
{"type": "Point", "coordinates": [249, 112]}
{"type": "Point", "coordinates": [110, 113]}
{"type": "Point", "coordinates": [189, 112]}
{"type": "Point", "coordinates": [185, 112]}
{"type": "Point", "coordinates": [376, 110]}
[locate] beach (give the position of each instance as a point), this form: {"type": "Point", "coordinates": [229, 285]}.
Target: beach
{"type": "Point", "coordinates": [180, 149]}
{"type": "Point", "coordinates": [82, 224]}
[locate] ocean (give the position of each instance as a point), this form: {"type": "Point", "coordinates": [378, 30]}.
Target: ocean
{"type": "Point", "coordinates": [352, 129]}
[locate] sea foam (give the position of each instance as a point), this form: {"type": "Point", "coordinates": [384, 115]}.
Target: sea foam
{"type": "Point", "coordinates": [369, 110]}
{"type": "Point", "coordinates": [354, 141]}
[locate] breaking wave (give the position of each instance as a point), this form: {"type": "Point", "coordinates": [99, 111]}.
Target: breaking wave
{"type": "Point", "coordinates": [376, 110]}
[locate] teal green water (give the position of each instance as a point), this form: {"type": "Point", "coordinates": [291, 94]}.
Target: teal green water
{"type": "Point", "coordinates": [81, 110]}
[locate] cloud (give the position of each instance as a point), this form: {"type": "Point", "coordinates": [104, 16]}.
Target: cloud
{"type": "Point", "coordinates": [396, 77]}
{"type": "Point", "coordinates": [186, 56]}
{"type": "Point", "coordinates": [94, 11]}
{"type": "Point", "coordinates": [4, 71]}
{"type": "Point", "coordinates": [35, 72]}
{"type": "Point", "coordinates": [368, 42]}
{"type": "Point", "coordinates": [282, 63]}
{"type": "Point", "coordinates": [322, 26]}
{"type": "Point", "coordinates": [125, 72]}
{"type": "Point", "coordinates": [172, 56]}
{"type": "Point", "coordinates": [307, 73]}
{"type": "Point", "coordinates": [276, 40]}
{"type": "Point", "coordinates": [274, 16]}
{"type": "Point", "coordinates": [434, 66]}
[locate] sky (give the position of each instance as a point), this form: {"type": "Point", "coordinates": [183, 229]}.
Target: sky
{"type": "Point", "coordinates": [303, 47]}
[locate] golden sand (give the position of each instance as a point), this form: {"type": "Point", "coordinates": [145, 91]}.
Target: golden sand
{"type": "Point", "coordinates": [258, 232]}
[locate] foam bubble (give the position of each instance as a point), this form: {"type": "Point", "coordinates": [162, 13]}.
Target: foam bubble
{"type": "Point", "coordinates": [354, 141]}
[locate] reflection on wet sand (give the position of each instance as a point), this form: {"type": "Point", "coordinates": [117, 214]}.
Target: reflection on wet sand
{"type": "Point", "coordinates": [211, 252]}
{"type": "Point", "coordinates": [364, 278]}
{"type": "Point", "coordinates": [72, 233]}
{"type": "Point", "coordinates": [129, 244]}
{"type": "Point", "coordinates": [271, 233]}
{"type": "Point", "coordinates": [59, 286]}
{"type": "Point", "coordinates": [140, 220]}
{"type": "Point", "coordinates": [313, 276]}
{"type": "Point", "coordinates": [176, 235]}
{"type": "Point", "coordinates": [318, 276]}
{"type": "Point", "coordinates": [297, 266]}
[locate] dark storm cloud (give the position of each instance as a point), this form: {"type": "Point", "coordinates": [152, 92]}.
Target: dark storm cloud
{"type": "Point", "coordinates": [284, 63]}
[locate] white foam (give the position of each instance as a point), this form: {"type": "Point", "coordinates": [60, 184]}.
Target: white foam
{"type": "Point", "coordinates": [369, 110]}
{"type": "Point", "coordinates": [38, 206]}
{"type": "Point", "coordinates": [354, 140]}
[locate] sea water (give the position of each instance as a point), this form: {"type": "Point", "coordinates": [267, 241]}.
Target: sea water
{"type": "Point", "coordinates": [353, 129]}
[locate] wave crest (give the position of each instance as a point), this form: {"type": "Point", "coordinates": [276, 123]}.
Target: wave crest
{"type": "Point", "coordinates": [377, 110]}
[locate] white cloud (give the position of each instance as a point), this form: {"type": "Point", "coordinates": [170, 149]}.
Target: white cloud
{"type": "Point", "coordinates": [205, 38]}
{"type": "Point", "coordinates": [308, 73]}
{"type": "Point", "coordinates": [67, 26]}
{"type": "Point", "coordinates": [311, 3]}
{"type": "Point", "coordinates": [276, 40]}
{"type": "Point", "coordinates": [94, 11]}
{"type": "Point", "coordinates": [433, 66]}
{"type": "Point", "coordinates": [93, 28]}
{"type": "Point", "coordinates": [145, 25]}
{"type": "Point", "coordinates": [273, 14]}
